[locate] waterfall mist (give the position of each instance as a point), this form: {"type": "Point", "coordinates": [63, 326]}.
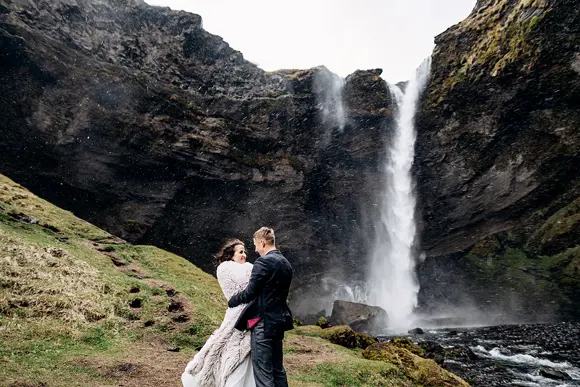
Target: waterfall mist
{"type": "Point", "coordinates": [328, 88]}
{"type": "Point", "coordinates": [392, 281]}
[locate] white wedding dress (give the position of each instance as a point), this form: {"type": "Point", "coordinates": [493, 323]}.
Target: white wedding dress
{"type": "Point", "coordinates": [225, 359]}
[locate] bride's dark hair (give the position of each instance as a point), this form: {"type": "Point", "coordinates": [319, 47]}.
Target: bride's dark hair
{"type": "Point", "coordinates": [226, 253]}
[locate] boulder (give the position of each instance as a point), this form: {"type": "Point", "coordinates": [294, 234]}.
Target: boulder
{"type": "Point", "coordinates": [360, 317]}
{"type": "Point", "coordinates": [554, 374]}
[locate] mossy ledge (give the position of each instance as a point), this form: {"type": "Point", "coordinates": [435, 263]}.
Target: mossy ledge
{"type": "Point", "coordinates": [500, 34]}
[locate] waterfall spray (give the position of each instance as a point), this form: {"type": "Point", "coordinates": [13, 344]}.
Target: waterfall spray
{"type": "Point", "coordinates": [328, 88]}
{"type": "Point", "coordinates": [392, 279]}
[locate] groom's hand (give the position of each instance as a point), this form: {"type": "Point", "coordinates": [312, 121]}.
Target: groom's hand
{"type": "Point", "coordinates": [255, 285]}
{"type": "Point", "coordinates": [233, 302]}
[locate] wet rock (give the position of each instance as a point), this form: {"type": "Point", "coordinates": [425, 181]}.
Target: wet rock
{"type": "Point", "coordinates": [460, 352]}
{"type": "Point", "coordinates": [23, 217]}
{"type": "Point", "coordinates": [311, 319]}
{"type": "Point", "coordinates": [551, 373]}
{"type": "Point", "coordinates": [416, 331]}
{"type": "Point", "coordinates": [360, 317]}
{"type": "Point", "coordinates": [366, 94]}
{"type": "Point", "coordinates": [433, 350]}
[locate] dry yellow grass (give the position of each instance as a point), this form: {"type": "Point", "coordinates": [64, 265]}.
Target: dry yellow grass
{"type": "Point", "coordinates": [39, 281]}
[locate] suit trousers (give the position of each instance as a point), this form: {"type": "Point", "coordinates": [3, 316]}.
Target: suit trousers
{"type": "Point", "coordinates": [267, 358]}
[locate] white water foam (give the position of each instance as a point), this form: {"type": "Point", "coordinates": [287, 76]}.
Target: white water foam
{"type": "Point", "coordinates": [529, 360]}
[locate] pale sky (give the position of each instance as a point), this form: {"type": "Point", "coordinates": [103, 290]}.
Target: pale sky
{"type": "Point", "coordinates": [343, 35]}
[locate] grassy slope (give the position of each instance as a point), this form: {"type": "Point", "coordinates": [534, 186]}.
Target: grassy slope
{"type": "Point", "coordinates": [79, 307]}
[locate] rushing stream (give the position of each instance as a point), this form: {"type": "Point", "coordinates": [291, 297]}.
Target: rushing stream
{"type": "Point", "coordinates": [539, 355]}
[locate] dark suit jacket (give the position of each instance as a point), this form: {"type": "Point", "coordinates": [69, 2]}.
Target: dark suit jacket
{"type": "Point", "coordinates": [266, 295]}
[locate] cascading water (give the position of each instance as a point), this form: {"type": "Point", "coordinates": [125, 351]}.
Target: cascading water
{"type": "Point", "coordinates": [328, 88]}
{"type": "Point", "coordinates": [392, 279]}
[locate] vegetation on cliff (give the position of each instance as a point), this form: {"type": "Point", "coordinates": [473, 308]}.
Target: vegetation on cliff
{"type": "Point", "coordinates": [500, 32]}
{"type": "Point", "coordinates": [497, 161]}
{"type": "Point", "coordinates": [544, 265]}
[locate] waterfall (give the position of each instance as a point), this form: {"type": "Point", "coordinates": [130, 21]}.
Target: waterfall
{"type": "Point", "coordinates": [328, 89]}
{"type": "Point", "coordinates": [392, 280]}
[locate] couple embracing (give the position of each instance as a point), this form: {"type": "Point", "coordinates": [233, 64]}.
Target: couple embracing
{"type": "Point", "coordinates": [246, 350]}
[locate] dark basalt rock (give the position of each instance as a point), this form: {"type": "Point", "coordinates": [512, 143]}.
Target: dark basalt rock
{"type": "Point", "coordinates": [433, 350]}
{"type": "Point", "coordinates": [360, 317]}
{"type": "Point", "coordinates": [138, 120]}
{"type": "Point", "coordinates": [498, 163]}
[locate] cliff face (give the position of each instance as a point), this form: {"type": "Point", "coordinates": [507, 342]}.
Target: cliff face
{"type": "Point", "coordinates": [498, 160]}
{"type": "Point", "coordinates": [141, 122]}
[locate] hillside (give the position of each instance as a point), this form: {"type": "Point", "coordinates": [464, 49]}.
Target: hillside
{"type": "Point", "coordinates": [80, 307]}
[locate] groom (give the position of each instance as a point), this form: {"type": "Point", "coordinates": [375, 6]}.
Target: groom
{"type": "Point", "coordinates": [268, 286]}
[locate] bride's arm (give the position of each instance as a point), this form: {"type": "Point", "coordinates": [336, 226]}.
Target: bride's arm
{"type": "Point", "coordinates": [226, 279]}
{"type": "Point", "coordinates": [233, 277]}
{"type": "Point", "coordinates": [255, 285]}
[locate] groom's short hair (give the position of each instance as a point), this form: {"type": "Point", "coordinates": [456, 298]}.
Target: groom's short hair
{"type": "Point", "coordinates": [267, 234]}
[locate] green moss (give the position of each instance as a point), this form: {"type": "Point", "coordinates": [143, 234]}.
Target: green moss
{"type": "Point", "coordinates": [322, 322]}
{"type": "Point", "coordinates": [563, 226]}
{"type": "Point", "coordinates": [340, 335]}
{"type": "Point", "coordinates": [565, 268]}
{"type": "Point", "coordinates": [486, 247]}
{"type": "Point", "coordinates": [403, 342]}
{"type": "Point", "coordinates": [354, 373]}
{"type": "Point", "coordinates": [423, 372]}
{"type": "Point", "coordinates": [504, 37]}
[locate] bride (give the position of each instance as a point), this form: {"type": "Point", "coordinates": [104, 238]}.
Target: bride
{"type": "Point", "coordinates": [224, 360]}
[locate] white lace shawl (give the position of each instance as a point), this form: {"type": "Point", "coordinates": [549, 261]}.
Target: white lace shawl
{"type": "Point", "coordinates": [227, 347]}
